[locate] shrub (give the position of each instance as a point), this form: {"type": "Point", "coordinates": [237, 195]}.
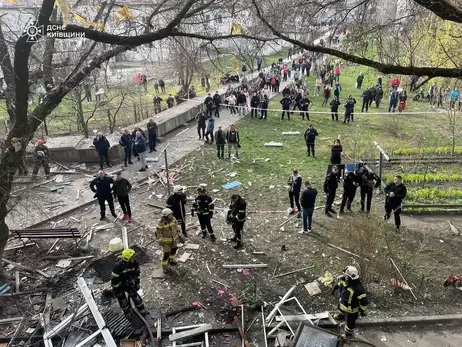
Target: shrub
{"type": "Point", "coordinates": [430, 177]}
{"type": "Point", "coordinates": [427, 150]}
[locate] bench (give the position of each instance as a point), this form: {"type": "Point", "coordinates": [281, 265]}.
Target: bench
{"type": "Point", "coordinates": [65, 233]}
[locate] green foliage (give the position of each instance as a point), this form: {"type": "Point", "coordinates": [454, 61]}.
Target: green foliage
{"type": "Point", "coordinates": [431, 194]}
{"type": "Point", "coordinates": [419, 178]}
{"type": "Point", "coordinates": [427, 150]}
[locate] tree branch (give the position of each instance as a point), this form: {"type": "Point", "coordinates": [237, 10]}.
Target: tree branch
{"type": "Point", "coordinates": [445, 9]}
{"type": "Point", "coordinates": [8, 73]}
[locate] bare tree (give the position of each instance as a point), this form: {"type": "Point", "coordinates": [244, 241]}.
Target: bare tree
{"type": "Point", "coordinates": [452, 127]}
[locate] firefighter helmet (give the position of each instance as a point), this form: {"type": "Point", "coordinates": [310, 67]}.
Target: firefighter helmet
{"type": "Point", "coordinates": [127, 254]}
{"type": "Point", "coordinates": [351, 272]}
{"type": "Point", "coordinates": [166, 212]}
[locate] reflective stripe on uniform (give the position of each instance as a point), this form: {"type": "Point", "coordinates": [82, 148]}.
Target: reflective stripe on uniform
{"type": "Point", "coordinates": [116, 285]}
{"type": "Point", "coordinates": [241, 211]}
{"type": "Point", "coordinates": [115, 274]}
{"type": "Point", "coordinates": [363, 308]}
{"type": "Point", "coordinates": [163, 226]}
{"type": "Point", "coordinates": [362, 296]}
{"type": "Point", "coordinates": [348, 309]}
{"type": "Point", "coordinates": [350, 298]}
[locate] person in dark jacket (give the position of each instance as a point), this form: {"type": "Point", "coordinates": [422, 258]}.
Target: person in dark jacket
{"type": "Point", "coordinates": [237, 216]}
{"type": "Point", "coordinates": [121, 188]}
{"type": "Point", "coordinates": [336, 152]}
{"type": "Point", "coordinates": [209, 104]}
{"type": "Point", "coordinates": [201, 118]}
{"type": "Point", "coordinates": [162, 85]}
{"type": "Point", "coordinates": [304, 105]}
{"type": "Point", "coordinates": [170, 101]}
{"type": "Point", "coordinates": [203, 205]}
{"type": "Point", "coordinates": [41, 158]}
{"type": "Point", "coordinates": [286, 101]}
{"type": "Point", "coordinates": [176, 202]}
{"type": "Point", "coordinates": [295, 185]}
{"type": "Point", "coordinates": [359, 80]}
{"type": "Point", "coordinates": [393, 101]}
{"type": "Point", "coordinates": [334, 104]}
{"type": "Point", "coordinates": [152, 134]}
{"type": "Point", "coordinates": [353, 299]}
{"type": "Point", "coordinates": [337, 90]}
{"type": "Point", "coordinates": [140, 145]}
{"type": "Point", "coordinates": [396, 192]}
{"type": "Point", "coordinates": [220, 140]}
{"type": "Point", "coordinates": [135, 153]}
{"type": "Point", "coordinates": [126, 279]}
{"type": "Point", "coordinates": [351, 182]}
{"type": "Point", "coordinates": [310, 138]}
{"type": "Point", "coordinates": [232, 138]}
{"type": "Point", "coordinates": [210, 129]}
{"type": "Point", "coordinates": [254, 104]}
{"type": "Point", "coordinates": [308, 201]}
{"type": "Point", "coordinates": [367, 95]}
{"type": "Point", "coordinates": [126, 142]}
{"type": "Point", "coordinates": [264, 107]}
{"type": "Point", "coordinates": [102, 146]}
{"type": "Point", "coordinates": [349, 109]}
{"type": "Point", "coordinates": [217, 103]}
{"type": "Point", "coordinates": [369, 181]}
{"type": "Point", "coordinates": [241, 103]}
{"type": "Point", "coordinates": [330, 188]}
{"type": "Point", "coordinates": [286, 91]}
{"type": "Point", "coordinates": [157, 106]}
{"type": "Point", "coordinates": [102, 187]}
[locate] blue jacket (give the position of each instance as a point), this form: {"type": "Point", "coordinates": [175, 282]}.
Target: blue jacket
{"type": "Point", "coordinates": [103, 186]}
{"type": "Point", "coordinates": [140, 144]}
{"type": "Point", "coordinates": [211, 125]}
{"type": "Point", "coordinates": [455, 95]}
{"type": "Point", "coordinates": [101, 145]}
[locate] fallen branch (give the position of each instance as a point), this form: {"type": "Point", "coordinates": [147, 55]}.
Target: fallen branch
{"type": "Point", "coordinates": [396, 267]}
{"type": "Point", "coordinates": [345, 251]}
{"type": "Point", "coordinates": [292, 272]}
{"type": "Point", "coordinates": [156, 206]}
{"type": "Point", "coordinates": [287, 221]}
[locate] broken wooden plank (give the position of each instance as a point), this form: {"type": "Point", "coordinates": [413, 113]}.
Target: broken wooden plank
{"type": "Point", "coordinates": [241, 332]}
{"type": "Point", "coordinates": [105, 226]}
{"type": "Point", "coordinates": [73, 218]}
{"type": "Point", "coordinates": [404, 280]}
{"type": "Point", "coordinates": [78, 194]}
{"type": "Point", "coordinates": [181, 310]}
{"type": "Point", "coordinates": [16, 277]}
{"type": "Point", "coordinates": [274, 144]}
{"type": "Point", "coordinates": [124, 237]}
{"type": "Point", "coordinates": [345, 251]}
{"type": "Point", "coordinates": [292, 272]}
{"type": "Point", "coordinates": [63, 166]}
{"type": "Point", "coordinates": [244, 266]}
{"type": "Point", "coordinates": [258, 253]}
{"type": "Point", "coordinates": [11, 248]}
{"type": "Point", "coordinates": [156, 206]}
{"type": "Point", "coordinates": [291, 133]}
{"type": "Point", "coordinates": [10, 320]}
{"type": "Point", "coordinates": [276, 307]}
{"type": "Point", "coordinates": [184, 257]}
{"type": "Point", "coordinates": [288, 220]}
{"type": "Point", "coordinates": [52, 246]}
{"type": "Point", "coordinates": [192, 246]}
{"type": "Point", "coordinates": [190, 333]}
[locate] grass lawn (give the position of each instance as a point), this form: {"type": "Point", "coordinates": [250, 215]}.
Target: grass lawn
{"type": "Point", "coordinates": [263, 173]}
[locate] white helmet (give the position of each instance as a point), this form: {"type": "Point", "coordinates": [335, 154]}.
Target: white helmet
{"type": "Point", "coordinates": [177, 189]}
{"type": "Point", "coordinates": [166, 212]}
{"type": "Point", "coordinates": [351, 272]}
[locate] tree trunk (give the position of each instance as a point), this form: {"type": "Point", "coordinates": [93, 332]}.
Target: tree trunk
{"type": "Point", "coordinates": [4, 234]}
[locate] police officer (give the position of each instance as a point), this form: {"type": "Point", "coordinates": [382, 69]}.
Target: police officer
{"type": "Point", "coordinates": [334, 104]}
{"type": "Point", "coordinates": [330, 188]}
{"type": "Point", "coordinates": [286, 101]}
{"type": "Point", "coordinates": [201, 120]}
{"type": "Point", "coordinates": [396, 192]}
{"type": "Point", "coordinates": [369, 181]}
{"type": "Point", "coordinates": [203, 205]}
{"type": "Point", "coordinates": [167, 236]}
{"type": "Point", "coordinates": [217, 102]}
{"type": "Point", "coordinates": [170, 101]}
{"type": "Point", "coordinates": [237, 216]}
{"type": "Point", "coordinates": [353, 299]}
{"type": "Point", "coordinates": [304, 104]}
{"type": "Point", "coordinates": [103, 192]}
{"type": "Point", "coordinates": [209, 104]}
{"type": "Point", "coordinates": [157, 107]}
{"type": "Point", "coordinates": [351, 182]}
{"type": "Point", "coordinates": [254, 104]}
{"type": "Point", "coordinates": [310, 137]}
{"type": "Point", "coordinates": [176, 202]}
{"type": "Point", "coordinates": [126, 279]}
{"type": "Point", "coordinates": [349, 109]}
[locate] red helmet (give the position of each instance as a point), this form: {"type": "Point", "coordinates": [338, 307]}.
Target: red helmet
{"type": "Point", "coordinates": [40, 142]}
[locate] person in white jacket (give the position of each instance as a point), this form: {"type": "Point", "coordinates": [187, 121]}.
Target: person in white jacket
{"type": "Point", "coordinates": [232, 103]}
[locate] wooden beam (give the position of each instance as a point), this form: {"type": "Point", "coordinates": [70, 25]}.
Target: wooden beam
{"type": "Point", "coordinates": [292, 272]}
{"type": "Point", "coordinates": [16, 276]}
{"type": "Point", "coordinates": [244, 266]}
{"type": "Point", "coordinates": [189, 333]}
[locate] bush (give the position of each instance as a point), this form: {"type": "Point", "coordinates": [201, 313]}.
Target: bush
{"type": "Point", "coordinates": [434, 194]}
{"type": "Point", "coordinates": [419, 178]}
{"type": "Point", "coordinates": [427, 150]}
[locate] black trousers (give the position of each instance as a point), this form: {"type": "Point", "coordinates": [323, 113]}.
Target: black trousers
{"type": "Point", "coordinates": [127, 155]}
{"type": "Point", "coordinates": [347, 198]}
{"type": "Point", "coordinates": [348, 115]}
{"type": "Point", "coordinates": [220, 148]}
{"type": "Point", "coordinates": [124, 202]}
{"type": "Point", "coordinates": [329, 200]}
{"type": "Point", "coordinates": [207, 135]}
{"type": "Point", "coordinates": [38, 163]}
{"type": "Point", "coordinates": [350, 323]}
{"type": "Point", "coordinates": [123, 300]}
{"type": "Point", "coordinates": [103, 157]}
{"type": "Point", "coordinates": [334, 115]}
{"type": "Point", "coordinates": [366, 193]}
{"type": "Point", "coordinates": [310, 148]}
{"type": "Point", "coordinates": [135, 153]}
{"type": "Point", "coordinates": [152, 142]}
{"type": "Point", "coordinates": [284, 111]}
{"type": "Point", "coordinates": [209, 111]}
{"type": "Point", "coordinates": [295, 196]}
{"type": "Point", "coordinates": [389, 208]}
{"type": "Point", "coordinates": [238, 228]}
{"type": "Point", "coordinates": [201, 128]}
{"type": "Point", "coordinates": [264, 114]}
{"type": "Point", "coordinates": [102, 206]}
{"type": "Point", "coordinates": [206, 224]}
{"type": "Point", "coordinates": [365, 105]}
{"type": "Point", "coordinates": [217, 111]}
{"type": "Point", "coordinates": [182, 223]}
{"type": "Point", "coordinates": [305, 113]}
{"type": "Point", "coordinates": [253, 111]}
